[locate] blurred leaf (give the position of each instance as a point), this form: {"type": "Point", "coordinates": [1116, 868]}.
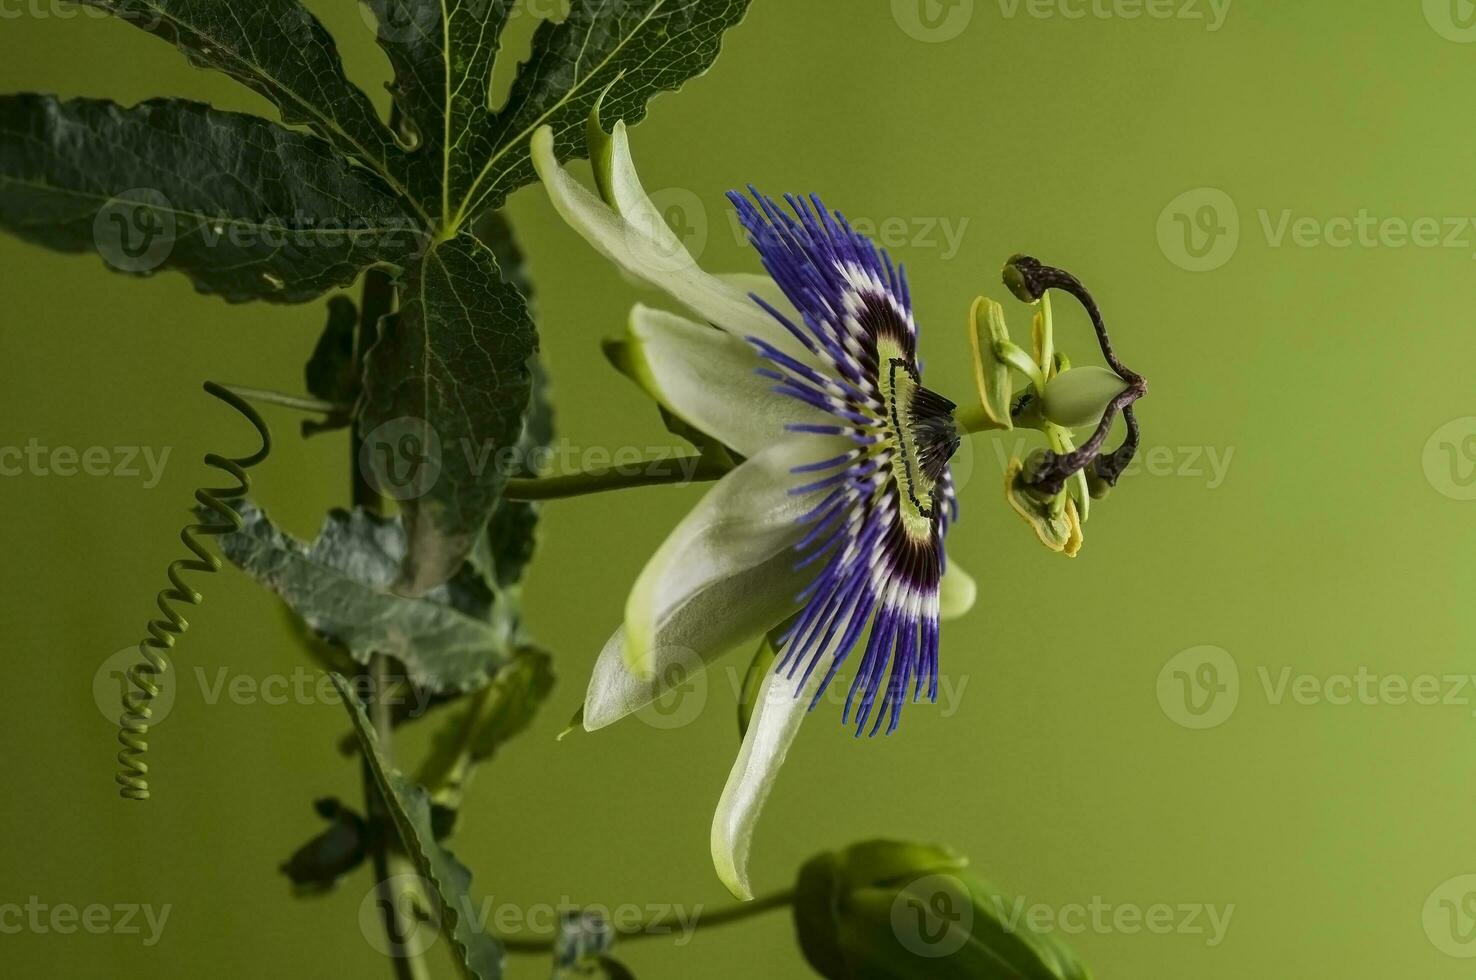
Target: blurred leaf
{"type": "Point", "coordinates": [340, 586]}
{"type": "Point", "coordinates": [478, 951]}
{"type": "Point", "coordinates": [332, 373]}
{"type": "Point", "coordinates": [244, 207]}
{"type": "Point", "coordinates": [491, 718]}
{"type": "Point", "coordinates": [894, 910]}
{"type": "Point", "coordinates": [278, 49]}
{"type": "Point", "coordinates": [317, 866]}
{"type": "Point", "coordinates": [470, 157]}
{"type": "Point", "coordinates": [453, 364]}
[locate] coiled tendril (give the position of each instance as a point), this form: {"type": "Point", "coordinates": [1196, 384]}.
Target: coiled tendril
{"type": "Point", "coordinates": [141, 688]}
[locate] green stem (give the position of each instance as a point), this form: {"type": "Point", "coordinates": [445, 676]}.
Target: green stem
{"type": "Point", "coordinates": [733, 913]}
{"type": "Point", "coordinates": [398, 896]}
{"type": "Point", "coordinates": [676, 470]}
{"type": "Point", "coordinates": [392, 870]}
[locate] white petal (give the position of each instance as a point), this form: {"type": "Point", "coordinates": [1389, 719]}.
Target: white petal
{"type": "Point", "coordinates": [776, 333]}
{"type": "Point", "coordinates": [638, 240]}
{"type": "Point", "coordinates": [776, 722]}
{"type": "Point", "coordinates": [766, 289]}
{"type": "Point", "coordinates": [624, 192]}
{"type": "Point", "coordinates": [957, 591]}
{"type": "Point", "coordinates": [748, 519]}
{"type": "Point", "coordinates": [722, 618]}
{"type": "Point", "coordinates": [708, 379]}
{"type": "Point", "coordinates": [635, 250]}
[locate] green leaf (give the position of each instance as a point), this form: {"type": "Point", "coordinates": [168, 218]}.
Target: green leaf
{"type": "Point", "coordinates": [244, 207]}
{"type": "Point", "coordinates": [340, 586]}
{"type": "Point", "coordinates": [442, 55]}
{"type": "Point", "coordinates": [635, 49]}
{"type": "Point", "coordinates": [446, 386]}
{"type": "Point", "coordinates": [469, 157]}
{"type": "Point", "coordinates": [478, 952]}
{"type": "Point", "coordinates": [490, 719]}
{"type": "Point", "coordinates": [317, 866]}
{"type": "Point", "coordinates": [507, 548]}
{"type": "Point", "coordinates": [278, 49]}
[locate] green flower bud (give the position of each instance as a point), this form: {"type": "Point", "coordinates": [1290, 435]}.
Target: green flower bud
{"type": "Point", "coordinates": [1077, 398]}
{"type": "Point", "coordinates": [889, 910]}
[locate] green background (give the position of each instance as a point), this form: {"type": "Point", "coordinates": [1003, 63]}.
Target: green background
{"type": "Point", "coordinates": [1335, 540]}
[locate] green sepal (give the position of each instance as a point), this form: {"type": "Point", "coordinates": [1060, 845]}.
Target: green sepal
{"type": "Point", "coordinates": [601, 147]}
{"type": "Point", "coordinates": [758, 669]}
